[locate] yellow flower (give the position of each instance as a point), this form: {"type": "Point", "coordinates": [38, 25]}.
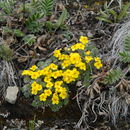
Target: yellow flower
{"type": "Point", "coordinates": [34, 84]}
{"type": "Point", "coordinates": [58, 89]}
{"type": "Point", "coordinates": [78, 46]}
{"type": "Point", "coordinates": [58, 83]}
{"type": "Point", "coordinates": [70, 75]}
{"type": "Point", "coordinates": [63, 57]}
{"type": "Point", "coordinates": [97, 59]}
{"type": "Point", "coordinates": [53, 66]}
{"type": "Point", "coordinates": [73, 48]}
{"type": "Point", "coordinates": [47, 79]}
{"type": "Point", "coordinates": [63, 90]}
{"type": "Point", "coordinates": [42, 97]}
{"type": "Point", "coordinates": [88, 58]}
{"type": "Point", "coordinates": [88, 52]}
{"type": "Point", "coordinates": [65, 63]}
{"type": "Point", "coordinates": [33, 68]}
{"type": "Point", "coordinates": [34, 75]}
{"type": "Point", "coordinates": [27, 72]}
{"type": "Point", "coordinates": [34, 91]}
{"type": "Point", "coordinates": [49, 73]}
{"type": "Point", "coordinates": [55, 99]}
{"type": "Point", "coordinates": [45, 71]}
{"type": "Point", "coordinates": [98, 64]}
{"type": "Point", "coordinates": [81, 65]}
{"type": "Point", "coordinates": [75, 73]}
{"type": "Point", "coordinates": [63, 95]}
{"type": "Point", "coordinates": [83, 39]}
{"type": "Point", "coordinates": [57, 53]}
{"type": "Point", "coordinates": [35, 87]}
{"type": "Point", "coordinates": [49, 84]}
{"type": "Point", "coordinates": [56, 74]}
{"type": "Point", "coordinates": [47, 92]}
{"type": "Point", "coordinates": [39, 72]}
{"type": "Point", "coordinates": [68, 79]}
{"type": "Point", "coordinates": [39, 87]}
{"type": "Point", "coordinates": [75, 58]}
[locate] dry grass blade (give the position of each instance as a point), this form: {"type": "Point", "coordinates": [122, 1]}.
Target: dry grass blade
{"type": "Point", "coordinates": [117, 42]}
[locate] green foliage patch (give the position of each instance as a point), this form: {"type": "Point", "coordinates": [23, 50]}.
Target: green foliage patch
{"type": "Point", "coordinates": [125, 55]}
{"type": "Point", "coordinates": [113, 76]}
{"type": "Point", "coordinates": [113, 14]}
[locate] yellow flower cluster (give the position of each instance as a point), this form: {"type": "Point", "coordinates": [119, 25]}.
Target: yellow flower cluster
{"type": "Point", "coordinates": [88, 58]}
{"type": "Point", "coordinates": [35, 88]}
{"type": "Point", "coordinates": [83, 39]}
{"type": "Point", "coordinates": [33, 68]}
{"type": "Point", "coordinates": [57, 53]}
{"type": "Point", "coordinates": [55, 99]}
{"type": "Point", "coordinates": [70, 75]}
{"type": "Point", "coordinates": [50, 73]}
{"type": "Point", "coordinates": [97, 63]}
{"type": "Point", "coordinates": [55, 76]}
{"type": "Point", "coordinates": [60, 92]}
{"type": "Point", "coordinates": [45, 94]}
{"type": "Point", "coordinates": [78, 46]}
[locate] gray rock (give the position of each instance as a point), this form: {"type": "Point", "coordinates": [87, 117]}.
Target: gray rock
{"type": "Point", "coordinates": [11, 94]}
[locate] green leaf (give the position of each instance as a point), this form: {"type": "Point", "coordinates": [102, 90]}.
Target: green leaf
{"type": "Point", "coordinates": [49, 25]}
{"type": "Point", "coordinates": [33, 24]}
{"type": "Point", "coordinates": [106, 8]}
{"type": "Point", "coordinates": [26, 90]}
{"type": "Point", "coordinates": [27, 79]}
{"type": "Point", "coordinates": [111, 11]}
{"type": "Point", "coordinates": [127, 43]}
{"type": "Point", "coordinates": [31, 125]}
{"type": "Point", "coordinates": [47, 103]}
{"type": "Point", "coordinates": [46, 6]}
{"type": "Point", "coordinates": [103, 19]}
{"type": "Point", "coordinates": [62, 18]}
{"type": "Point", "coordinates": [7, 30]}
{"type": "Point", "coordinates": [67, 35]}
{"type": "Point", "coordinates": [125, 56]}
{"type": "Point", "coordinates": [123, 11]}
{"type": "Point", "coordinates": [7, 6]}
{"type": "Point", "coordinates": [18, 33]}
{"type": "Point", "coordinates": [40, 64]}
{"type": "Point", "coordinates": [93, 49]}
{"type": "Point", "coordinates": [86, 78]}
{"type": "Point", "coordinates": [29, 39]}
{"type": "Point", "coordinates": [5, 52]}
{"type": "Point", "coordinates": [43, 64]}
{"type": "Point", "coordinates": [113, 76]}
{"type": "Point", "coordinates": [36, 102]}
{"type": "Point", "coordinates": [2, 17]}
{"type": "Point", "coordinates": [104, 15]}
{"type": "Point", "coordinates": [66, 101]}
{"type": "Point", "coordinates": [56, 108]}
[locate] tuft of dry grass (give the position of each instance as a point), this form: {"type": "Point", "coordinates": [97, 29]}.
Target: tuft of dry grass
{"type": "Point", "coordinates": [113, 101]}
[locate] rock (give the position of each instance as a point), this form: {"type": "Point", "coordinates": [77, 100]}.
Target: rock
{"type": "Point", "coordinates": [11, 94]}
